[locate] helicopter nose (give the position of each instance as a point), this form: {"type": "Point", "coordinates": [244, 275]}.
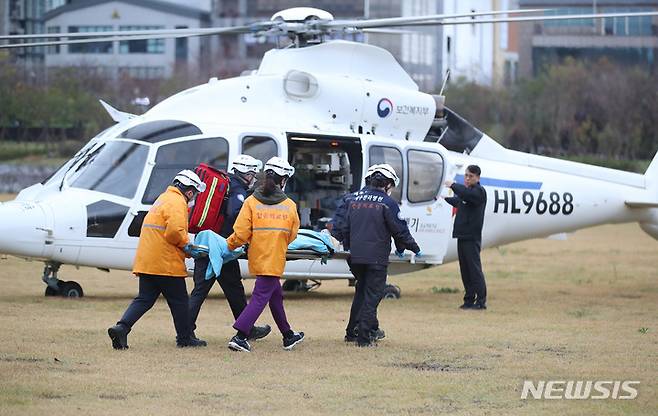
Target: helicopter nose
{"type": "Point", "coordinates": [23, 229]}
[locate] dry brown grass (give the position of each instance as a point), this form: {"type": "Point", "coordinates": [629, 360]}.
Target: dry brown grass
{"type": "Point", "coordinates": [567, 310]}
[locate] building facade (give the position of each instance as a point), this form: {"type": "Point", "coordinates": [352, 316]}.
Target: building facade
{"type": "Point", "coordinates": [144, 59]}
{"type": "Point", "coordinates": [25, 17]}
{"type": "Point", "coordinates": [419, 53]}
{"type": "Point", "coordinates": [630, 41]}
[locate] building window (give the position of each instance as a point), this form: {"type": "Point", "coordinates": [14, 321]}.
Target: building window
{"type": "Point", "coordinates": [96, 47]}
{"type": "Point", "coordinates": [172, 158]}
{"type": "Point", "coordinates": [259, 147]}
{"type": "Point", "coordinates": [627, 26]}
{"type": "Point", "coordinates": [392, 156]}
{"type": "Point", "coordinates": [572, 22]}
{"type": "Point", "coordinates": [53, 50]}
{"type": "Point", "coordinates": [142, 72]}
{"type": "Point", "coordinates": [425, 173]}
{"type": "Point", "coordinates": [144, 45]}
{"type": "Point", "coordinates": [181, 47]}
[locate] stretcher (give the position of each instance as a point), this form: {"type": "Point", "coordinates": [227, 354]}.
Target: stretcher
{"type": "Point", "coordinates": [344, 255]}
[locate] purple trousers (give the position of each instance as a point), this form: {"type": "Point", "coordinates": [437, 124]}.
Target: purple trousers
{"type": "Point", "coordinates": [266, 290]}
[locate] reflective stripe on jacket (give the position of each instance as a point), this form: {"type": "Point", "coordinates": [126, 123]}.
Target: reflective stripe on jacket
{"type": "Point", "coordinates": [163, 236]}
{"type": "Point", "coordinates": [268, 229]}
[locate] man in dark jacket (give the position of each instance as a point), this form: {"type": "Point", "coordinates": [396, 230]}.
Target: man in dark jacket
{"type": "Point", "coordinates": [372, 218]}
{"type": "Point", "coordinates": [243, 172]}
{"type": "Point", "coordinates": [337, 223]}
{"type": "Point", "coordinates": [470, 200]}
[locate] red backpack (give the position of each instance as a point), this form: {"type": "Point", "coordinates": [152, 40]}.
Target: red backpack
{"type": "Point", "coordinates": [207, 213]}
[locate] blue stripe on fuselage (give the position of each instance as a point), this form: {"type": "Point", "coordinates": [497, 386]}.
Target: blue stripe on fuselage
{"type": "Point", "coordinates": [503, 183]}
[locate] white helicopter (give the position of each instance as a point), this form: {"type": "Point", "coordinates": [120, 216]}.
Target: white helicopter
{"type": "Point", "coordinates": [332, 108]}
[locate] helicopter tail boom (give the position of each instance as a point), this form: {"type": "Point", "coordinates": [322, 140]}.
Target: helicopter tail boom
{"type": "Point", "coordinates": [652, 171]}
{"type": "Point", "coordinates": [649, 203]}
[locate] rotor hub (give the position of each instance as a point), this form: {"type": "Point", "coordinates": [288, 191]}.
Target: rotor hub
{"type": "Point", "coordinates": [303, 25]}
{"type": "Point", "coordinates": [302, 14]}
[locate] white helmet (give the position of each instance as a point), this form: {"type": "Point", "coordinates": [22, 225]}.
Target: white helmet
{"type": "Point", "coordinates": [386, 170]}
{"type": "Point", "coordinates": [246, 164]}
{"type": "Point", "coordinates": [189, 178]}
{"type": "Point", "coordinates": [280, 167]}
{"type": "Point", "coordinates": [371, 170]}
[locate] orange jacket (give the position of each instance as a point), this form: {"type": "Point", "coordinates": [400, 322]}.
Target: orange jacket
{"type": "Point", "coordinates": [163, 236]}
{"type": "Point", "coordinates": [268, 229]}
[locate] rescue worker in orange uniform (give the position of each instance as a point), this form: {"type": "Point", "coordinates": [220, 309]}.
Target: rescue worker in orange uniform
{"type": "Point", "coordinates": [268, 222]}
{"type": "Point", "coordinates": [160, 261]}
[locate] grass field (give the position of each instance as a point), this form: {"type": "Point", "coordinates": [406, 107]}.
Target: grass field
{"type": "Point", "coordinates": [581, 309]}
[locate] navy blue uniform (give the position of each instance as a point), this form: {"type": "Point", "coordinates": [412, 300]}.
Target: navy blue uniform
{"type": "Point", "coordinates": [338, 220]}
{"type": "Point", "coordinates": [230, 279]}
{"type": "Point", "coordinates": [470, 203]}
{"type": "Point", "coordinates": [372, 218]}
{"type": "Point", "coordinates": [237, 195]}
{"type": "Point", "coordinates": [338, 225]}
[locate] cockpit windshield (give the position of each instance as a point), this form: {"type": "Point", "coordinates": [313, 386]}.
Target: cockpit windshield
{"type": "Point", "coordinates": [56, 176]}
{"type": "Point", "coordinates": [115, 168]}
{"type": "Point", "coordinates": [460, 136]}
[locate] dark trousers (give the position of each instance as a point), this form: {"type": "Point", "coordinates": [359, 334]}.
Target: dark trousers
{"type": "Point", "coordinates": [267, 290]}
{"type": "Point", "coordinates": [471, 271]}
{"type": "Point", "coordinates": [357, 302]}
{"type": "Point", "coordinates": [150, 288]}
{"type": "Point", "coordinates": [371, 282]}
{"type": "Point", "coordinates": [229, 280]}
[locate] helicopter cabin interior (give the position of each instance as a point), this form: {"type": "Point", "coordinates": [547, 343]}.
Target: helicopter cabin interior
{"type": "Point", "coordinates": [326, 168]}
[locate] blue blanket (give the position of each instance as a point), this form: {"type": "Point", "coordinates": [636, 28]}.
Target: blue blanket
{"type": "Point", "coordinates": [312, 240]}
{"type": "Point", "coordinates": [218, 251]}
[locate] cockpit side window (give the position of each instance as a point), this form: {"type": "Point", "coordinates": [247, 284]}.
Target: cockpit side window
{"type": "Point", "coordinates": [260, 147]}
{"type": "Point", "coordinates": [172, 158]}
{"type": "Point", "coordinates": [425, 170]}
{"type": "Point", "coordinates": [157, 131]}
{"type": "Point", "coordinates": [392, 156]}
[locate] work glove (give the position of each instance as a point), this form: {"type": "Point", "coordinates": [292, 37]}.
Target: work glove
{"type": "Point", "coordinates": [400, 254]}
{"type": "Point", "coordinates": [194, 252]}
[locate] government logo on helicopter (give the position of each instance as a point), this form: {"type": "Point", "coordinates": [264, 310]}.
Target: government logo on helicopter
{"type": "Point", "coordinates": [384, 107]}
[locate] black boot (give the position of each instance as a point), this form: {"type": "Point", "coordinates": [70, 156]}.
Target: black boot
{"type": "Point", "coordinates": [119, 336]}
{"type": "Point", "coordinates": [190, 342]}
{"type": "Point", "coordinates": [258, 332]}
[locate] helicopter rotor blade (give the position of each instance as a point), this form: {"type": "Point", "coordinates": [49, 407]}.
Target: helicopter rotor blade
{"type": "Point", "coordinates": [385, 31]}
{"type": "Point", "coordinates": [172, 34]}
{"type": "Point", "coordinates": [282, 28]}
{"type": "Point", "coordinates": [526, 19]}
{"type": "Point", "coordinates": [190, 31]}
{"type": "Point", "coordinates": [400, 21]}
